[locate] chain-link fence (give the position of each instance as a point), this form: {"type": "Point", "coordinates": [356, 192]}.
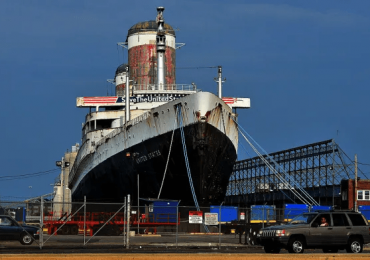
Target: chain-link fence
{"type": "Point", "coordinates": [153, 223]}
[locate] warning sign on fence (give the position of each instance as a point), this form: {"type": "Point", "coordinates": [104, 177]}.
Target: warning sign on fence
{"type": "Point", "coordinates": [195, 217]}
{"type": "Point", "coordinates": [211, 218]}
{"type": "Point", "coordinates": [242, 216]}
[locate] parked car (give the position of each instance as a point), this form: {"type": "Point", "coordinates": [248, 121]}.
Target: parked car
{"type": "Point", "coordinates": [330, 231]}
{"type": "Point", "coordinates": [11, 230]}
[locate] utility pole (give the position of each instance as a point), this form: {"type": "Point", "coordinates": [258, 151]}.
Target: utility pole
{"type": "Point", "coordinates": [356, 208]}
{"type": "Point", "coordinates": [128, 222]}
{"type": "Point", "coordinates": [41, 238]}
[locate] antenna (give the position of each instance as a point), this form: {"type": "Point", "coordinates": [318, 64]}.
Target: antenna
{"type": "Point", "coordinates": [219, 80]}
{"type": "Point", "coordinates": [161, 48]}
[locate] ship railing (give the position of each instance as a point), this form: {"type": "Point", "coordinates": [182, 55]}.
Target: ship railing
{"type": "Point", "coordinates": [84, 149]}
{"type": "Point", "coordinates": [83, 152]}
{"type": "Point", "coordinates": [113, 133]}
{"type": "Point", "coordinates": [118, 130]}
{"type": "Point", "coordinates": [180, 87]}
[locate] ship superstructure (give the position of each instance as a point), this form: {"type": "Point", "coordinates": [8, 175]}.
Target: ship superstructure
{"type": "Point", "coordinates": [137, 132]}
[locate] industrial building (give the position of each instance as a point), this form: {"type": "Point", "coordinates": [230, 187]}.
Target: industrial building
{"type": "Point", "coordinates": [322, 169]}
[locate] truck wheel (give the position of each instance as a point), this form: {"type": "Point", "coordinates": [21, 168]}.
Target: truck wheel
{"type": "Point", "coordinates": [271, 249]}
{"type": "Point", "coordinates": [354, 245]}
{"type": "Point", "coordinates": [74, 230]}
{"type": "Point", "coordinates": [296, 245]}
{"type": "Point", "coordinates": [65, 230]}
{"type": "Point", "coordinates": [26, 239]}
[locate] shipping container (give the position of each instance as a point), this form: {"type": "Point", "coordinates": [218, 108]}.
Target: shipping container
{"type": "Point", "coordinates": [365, 210]}
{"type": "Point", "coordinates": [263, 214]}
{"type": "Point", "coordinates": [293, 210]}
{"type": "Point", "coordinates": [228, 213]}
{"type": "Point", "coordinates": [161, 211]}
{"type": "Point", "coordinates": [324, 208]}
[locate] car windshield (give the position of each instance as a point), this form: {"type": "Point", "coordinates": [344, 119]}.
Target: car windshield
{"type": "Point", "coordinates": [302, 219]}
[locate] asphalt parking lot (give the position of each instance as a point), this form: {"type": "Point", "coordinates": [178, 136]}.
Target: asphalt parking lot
{"type": "Point", "coordinates": [161, 243]}
{"type": "Point", "coordinates": [186, 243]}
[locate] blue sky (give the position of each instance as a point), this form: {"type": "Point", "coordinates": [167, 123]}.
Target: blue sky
{"type": "Point", "coordinates": [304, 64]}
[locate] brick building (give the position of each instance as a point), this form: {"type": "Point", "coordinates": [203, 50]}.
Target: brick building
{"type": "Point", "coordinates": [349, 195]}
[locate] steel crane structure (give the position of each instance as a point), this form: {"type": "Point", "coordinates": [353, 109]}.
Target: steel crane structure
{"type": "Point", "coordinates": [318, 168]}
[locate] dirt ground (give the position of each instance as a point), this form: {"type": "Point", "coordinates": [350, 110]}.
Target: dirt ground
{"type": "Point", "coordinates": [185, 256]}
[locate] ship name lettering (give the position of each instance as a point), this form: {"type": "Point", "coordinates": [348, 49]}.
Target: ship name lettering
{"type": "Point", "coordinates": [141, 159]}
{"type": "Point", "coordinates": [154, 154]}
{"type": "Point", "coordinates": [148, 98]}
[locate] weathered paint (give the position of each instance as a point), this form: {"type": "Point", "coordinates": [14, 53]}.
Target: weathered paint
{"type": "Point", "coordinates": [148, 38]}
{"type": "Point", "coordinates": [102, 168]}
{"type": "Point", "coordinates": [120, 89]}
{"type": "Point", "coordinates": [157, 122]}
{"type": "Point", "coordinates": [142, 60]}
{"type": "Point", "coordinates": [170, 63]}
{"type": "Point", "coordinates": [237, 102]}
{"type": "Point", "coordinates": [149, 26]}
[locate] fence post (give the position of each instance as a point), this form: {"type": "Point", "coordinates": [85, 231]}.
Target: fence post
{"type": "Point", "coordinates": [240, 223]}
{"type": "Point", "coordinates": [128, 222]}
{"type": "Point", "coordinates": [246, 234]}
{"type": "Point", "coordinates": [124, 224]}
{"type": "Point", "coordinates": [177, 220]}
{"type": "Point", "coordinates": [138, 204]}
{"type": "Point", "coordinates": [84, 220]}
{"type": "Point", "coordinates": [41, 222]}
{"type": "Point", "coordinates": [219, 228]}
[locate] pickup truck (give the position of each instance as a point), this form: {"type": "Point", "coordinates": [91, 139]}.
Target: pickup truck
{"type": "Point", "coordinates": [330, 231]}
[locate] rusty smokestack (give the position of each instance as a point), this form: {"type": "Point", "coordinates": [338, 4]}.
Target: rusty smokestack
{"type": "Point", "coordinates": [161, 48]}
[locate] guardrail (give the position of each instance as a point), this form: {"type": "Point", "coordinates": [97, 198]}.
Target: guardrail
{"type": "Point", "coordinates": [183, 87]}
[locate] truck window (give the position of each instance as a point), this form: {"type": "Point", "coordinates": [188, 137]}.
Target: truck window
{"type": "Point", "coordinates": [320, 222]}
{"type": "Point", "coordinates": [357, 220]}
{"type": "Point", "coordinates": [340, 220]}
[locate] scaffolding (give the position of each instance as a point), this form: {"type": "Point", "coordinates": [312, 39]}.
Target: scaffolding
{"type": "Point", "coordinates": [318, 168]}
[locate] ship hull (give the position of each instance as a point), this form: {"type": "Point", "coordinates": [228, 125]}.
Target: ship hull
{"type": "Point", "coordinates": [103, 171]}
{"type": "Point", "coordinates": [210, 159]}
